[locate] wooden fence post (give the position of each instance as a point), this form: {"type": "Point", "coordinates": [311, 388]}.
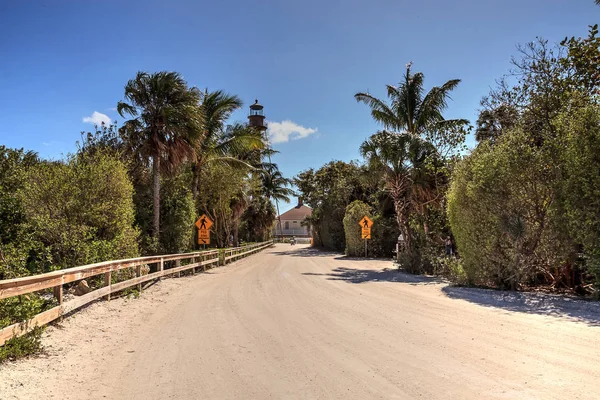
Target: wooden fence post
{"type": "Point", "coordinates": [58, 293]}
{"type": "Point", "coordinates": [138, 273]}
{"type": "Point", "coordinates": [107, 282]}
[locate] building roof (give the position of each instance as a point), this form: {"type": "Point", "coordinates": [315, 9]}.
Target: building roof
{"type": "Point", "coordinates": [297, 213]}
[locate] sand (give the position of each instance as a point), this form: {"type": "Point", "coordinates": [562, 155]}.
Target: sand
{"type": "Point", "coordinates": [295, 323]}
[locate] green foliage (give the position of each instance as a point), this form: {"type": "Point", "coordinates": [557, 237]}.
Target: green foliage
{"type": "Point", "coordinates": [523, 206]}
{"type": "Point", "coordinates": [16, 238]}
{"type": "Point", "coordinates": [167, 121]}
{"type": "Point", "coordinates": [23, 346]}
{"type": "Point", "coordinates": [413, 155]}
{"type": "Point", "coordinates": [583, 59]}
{"type": "Point", "coordinates": [384, 235]}
{"type": "Point", "coordinates": [258, 220]}
{"type": "Point", "coordinates": [81, 211]}
{"type": "Point", "coordinates": [328, 191]}
{"type": "Point", "coordinates": [499, 210]}
{"type": "Point", "coordinates": [410, 109]}
{"type": "Point", "coordinates": [178, 215]}
{"type": "Point", "coordinates": [20, 308]}
{"type": "Point", "coordinates": [355, 245]}
{"type": "Point", "coordinates": [580, 130]}
{"type": "Point", "coordinates": [220, 184]}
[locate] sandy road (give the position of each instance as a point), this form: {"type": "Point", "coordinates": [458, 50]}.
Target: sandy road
{"type": "Point", "coordinates": [292, 323]}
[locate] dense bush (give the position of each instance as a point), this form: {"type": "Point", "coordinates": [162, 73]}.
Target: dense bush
{"type": "Point", "coordinates": [178, 215]}
{"type": "Point", "coordinates": [58, 215]}
{"type": "Point", "coordinates": [355, 244]}
{"type": "Point", "coordinates": [81, 211]}
{"type": "Point", "coordinates": [519, 208]}
{"type": "Point", "coordinates": [580, 129]}
{"type": "Point", "coordinates": [524, 204]}
{"type": "Point", "coordinates": [328, 191]}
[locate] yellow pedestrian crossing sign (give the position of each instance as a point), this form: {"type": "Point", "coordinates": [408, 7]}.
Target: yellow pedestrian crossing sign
{"type": "Point", "coordinates": [203, 224]}
{"type": "Point", "coordinates": [365, 226]}
{"type": "Point", "coordinates": [366, 222]}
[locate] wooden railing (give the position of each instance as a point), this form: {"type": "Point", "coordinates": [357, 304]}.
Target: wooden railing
{"type": "Point", "coordinates": [55, 280]}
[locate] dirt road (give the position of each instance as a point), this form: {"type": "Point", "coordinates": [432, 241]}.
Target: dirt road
{"type": "Point", "coordinates": [294, 323]}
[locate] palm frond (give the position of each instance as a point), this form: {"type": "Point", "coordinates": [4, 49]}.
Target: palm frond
{"type": "Point", "coordinates": [380, 111]}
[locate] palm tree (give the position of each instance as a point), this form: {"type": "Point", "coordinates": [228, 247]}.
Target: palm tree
{"type": "Point", "coordinates": [220, 143]}
{"type": "Point", "coordinates": [259, 217]}
{"type": "Point", "coordinates": [166, 121]}
{"type": "Point", "coordinates": [276, 187]}
{"type": "Point", "coordinates": [410, 109]}
{"type": "Point", "coordinates": [403, 160]}
{"type": "Point", "coordinates": [402, 150]}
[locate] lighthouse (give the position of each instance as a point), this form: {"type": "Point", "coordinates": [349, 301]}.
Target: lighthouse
{"type": "Point", "coordinates": [256, 118]}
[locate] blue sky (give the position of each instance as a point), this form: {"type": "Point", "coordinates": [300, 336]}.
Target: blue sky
{"type": "Point", "coordinates": [61, 61]}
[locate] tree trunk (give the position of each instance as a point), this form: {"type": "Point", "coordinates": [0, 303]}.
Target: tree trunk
{"type": "Point", "coordinates": [236, 231]}
{"type": "Point", "coordinates": [156, 195]}
{"type": "Point", "coordinates": [197, 169]}
{"type": "Point", "coordinates": [196, 182]}
{"type": "Point", "coordinates": [402, 220]}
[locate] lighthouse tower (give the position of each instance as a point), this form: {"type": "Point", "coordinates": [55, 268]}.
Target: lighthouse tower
{"type": "Point", "coordinates": [256, 118]}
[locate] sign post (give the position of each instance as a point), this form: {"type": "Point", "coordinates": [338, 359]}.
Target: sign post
{"type": "Point", "coordinates": [203, 224]}
{"type": "Point", "coordinates": [365, 226]}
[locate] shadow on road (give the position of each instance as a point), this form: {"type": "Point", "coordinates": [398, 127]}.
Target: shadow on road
{"type": "Point", "coordinates": [316, 252]}
{"type": "Point", "coordinates": [532, 303]}
{"type": "Point", "coordinates": [294, 251]}
{"type": "Point", "coordinates": [353, 275]}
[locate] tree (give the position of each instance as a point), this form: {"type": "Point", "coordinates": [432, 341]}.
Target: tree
{"type": "Point", "coordinates": [217, 108]}
{"type": "Point", "coordinates": [411, 151]}
{"type": "Point", "coordinates": [403, 161]}
{"type": "Point", "coordinates": [493, 121]}
{"type": "Point", "coordinates": [583, 59]}
{"type": "Point", "coordinates": [81, 211]}
{"type": "Point", "coordinates": [410, 109]}
{"type": "Point", "coordinates": [275, 186]}
{"type": "Point", "coordinates": [328, 191]}
{"type": "Point", "coordinates": [580, 185]}
{"type": "Point", "coordinates": [166, 122]}
{"type": "Point", "coordinates": [16, 238]}
{"type": "Point", "coordinates": [258, 219]}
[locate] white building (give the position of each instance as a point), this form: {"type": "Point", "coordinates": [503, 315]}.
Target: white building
{"type": "Point", "coordinates": [291, 222]}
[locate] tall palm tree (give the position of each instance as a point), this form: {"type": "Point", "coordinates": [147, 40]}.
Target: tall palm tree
{"type": "Point", "coordinates": [166, 121]}
{"type": "Point", "coordinates": [409, 117]}
{"type": "Point", "coordinates": [276, 187]}
{"type": "Point", "coordinates": [403, 160]}
{"type": "Point", "coordinates": [409, 108]}
{"type": "Point", "coordinates": [221, 143]}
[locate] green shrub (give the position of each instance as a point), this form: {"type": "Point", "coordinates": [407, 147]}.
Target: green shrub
{"type": "Point", "coordinates": [384, 234]}
{"type": "Point", "coordinates": [580, 130]}
{"type": "Point", "coordinates": [81, 211]}
{"type": "Point", "coordinates": [355, 244]}
{"type": "Point", "coordinates": [23, 346]}
{"type": "Point", "coordinates": [177, 215]}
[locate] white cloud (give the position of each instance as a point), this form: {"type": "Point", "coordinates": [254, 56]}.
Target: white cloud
{"type": "Point", "coordinates": [281, 132]}
{"type": "Point", "coordinates": [97, 119]}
